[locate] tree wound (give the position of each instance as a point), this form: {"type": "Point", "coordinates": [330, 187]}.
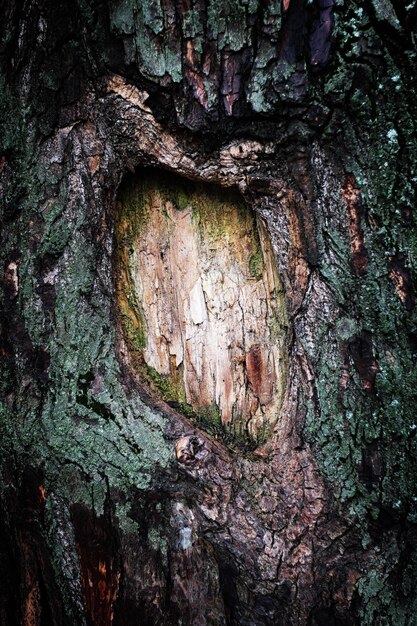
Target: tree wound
{"type": "Point", "coordinates": [202, 305]}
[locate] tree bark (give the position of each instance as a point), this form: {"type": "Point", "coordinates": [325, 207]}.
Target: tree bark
{"type": "Point", "coordinates": [117, 507]}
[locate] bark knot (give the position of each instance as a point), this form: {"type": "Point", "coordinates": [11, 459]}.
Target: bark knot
{"type": "Point", "coordinates": [189, 449]}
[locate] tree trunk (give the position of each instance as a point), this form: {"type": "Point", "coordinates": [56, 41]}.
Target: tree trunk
{"type": "Point", "coordinates": [208, 330]}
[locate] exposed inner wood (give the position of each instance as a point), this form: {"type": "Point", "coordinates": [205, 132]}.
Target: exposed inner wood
{"type": "Point", "coordinates": [211, 305]}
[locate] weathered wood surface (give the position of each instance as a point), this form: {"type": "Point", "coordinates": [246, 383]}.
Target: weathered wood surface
{"type": "Point", "coordinates": [201, 303]}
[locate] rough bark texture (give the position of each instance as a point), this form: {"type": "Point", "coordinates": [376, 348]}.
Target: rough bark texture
{"type": "Point", "coordinates": [116, 507]}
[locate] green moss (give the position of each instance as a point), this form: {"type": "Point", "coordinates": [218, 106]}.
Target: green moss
{"type": "Point", "coordinates": [256, 264]}
{"type": "Point", "coordinates": [132, 213]}
{"type": "Point", "coordinates": [165, 385]}
{"type": "Point", "coordinates": [132, 320]}
{"type": "Point", "coordinates": [172, 392]}
{"type": "Point", "coordinates": [211, 419]}
{"type": "Point", "coordinates": [182, 200]}
{"type": "Point", "coordinates": [278, 325]}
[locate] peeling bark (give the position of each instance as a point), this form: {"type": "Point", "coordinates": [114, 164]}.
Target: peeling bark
{"type": "Point", "coordinates": [202, 303]}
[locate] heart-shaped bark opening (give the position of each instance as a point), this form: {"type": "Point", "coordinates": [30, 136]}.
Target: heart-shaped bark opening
{"type": "Point", "coordinates": [202, 305]}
